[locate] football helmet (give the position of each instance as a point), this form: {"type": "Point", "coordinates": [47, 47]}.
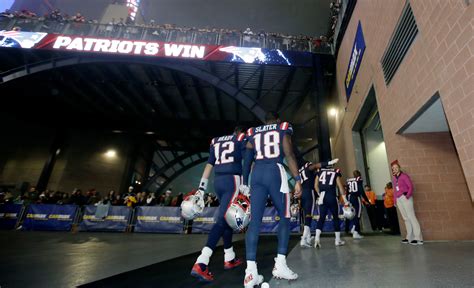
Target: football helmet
{"type": "Point", "coordinates": [238, 213]}
{"type": "Point", "coordinates": [192, 205]}
{"type": "Point", "coordinates": [349, 212]}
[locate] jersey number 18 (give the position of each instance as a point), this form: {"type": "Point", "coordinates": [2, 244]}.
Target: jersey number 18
{"type": "Point", "coordinates": [271, 145]}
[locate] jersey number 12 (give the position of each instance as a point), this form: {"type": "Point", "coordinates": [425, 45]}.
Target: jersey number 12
{"type": "Point", "coordinates": [222, 151]}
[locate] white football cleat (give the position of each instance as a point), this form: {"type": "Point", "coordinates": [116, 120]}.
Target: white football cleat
{"type": "Point", "coordinates": [317, 244]}
{"type": "Point", "coordinates": [340, 243]}
{"type": "Point", "coordinates": [252, 278]}
{"type": "Point", "coordinates": [356, 235]}
{"type": "Point", "coordinates": [281, 271]}
{"type": "Point", "coordinates": [306, 241]}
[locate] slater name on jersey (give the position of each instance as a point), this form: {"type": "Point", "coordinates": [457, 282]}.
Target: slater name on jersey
{"type": "Point", "coordinates": [266, 128]}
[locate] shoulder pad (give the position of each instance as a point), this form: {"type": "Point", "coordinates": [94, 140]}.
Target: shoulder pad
{"type": "Point", "coordinates": [285, 126]}
{"type": "Point", "coordinates": [241, 137]}
{"type": "Point", "coordinates": [250, 132]}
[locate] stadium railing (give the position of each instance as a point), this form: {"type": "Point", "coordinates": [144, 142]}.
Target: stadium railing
{"type": "Point", "coordinates": [168, 35]}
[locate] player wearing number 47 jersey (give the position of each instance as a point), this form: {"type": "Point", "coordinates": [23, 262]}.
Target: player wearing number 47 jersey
{"type": "Point", "coordinates": [225, 156]}
{"type": "Point", "coordinates": [267, 146]}
{"type": "Point", "coordinates": [307, 174]}
{"type": "Point", "coordinates": [327, 179]}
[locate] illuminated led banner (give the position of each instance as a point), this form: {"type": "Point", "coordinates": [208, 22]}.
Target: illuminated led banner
{"type": "Point", "coordinates": [39, 40]}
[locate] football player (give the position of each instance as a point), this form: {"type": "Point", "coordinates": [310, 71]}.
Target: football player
{"type": "Point", "coordinates": [267, 146]}
{"type": "Point", "coordinates": [225, 156]}
{"type": "Point", "coordinates": [307, 174]}
{"type": "Point", "coordinates": [355, 193]}
{"type": "Point", "coordinates": [327, 179]}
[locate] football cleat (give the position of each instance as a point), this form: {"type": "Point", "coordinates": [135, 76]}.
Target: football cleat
{"type": "Point", "coordinates": [252, 278]}
{"type": "Point", "coordinates": [405, 241]}
{"type": "Point", "coordinates": [282, 271]}
{"type": "Point", "coordinates": [201, 272]}
{"type": "Point", "coordinates": [356, 235]}
{"type": "Point", "coordinates": [340, 243]}
{"type": "Point", "coordinates": [317, 244]}
{"type": "Point", "coordinates": [306, 241]}
{"type": "Point", "coordinates": [232, 263]}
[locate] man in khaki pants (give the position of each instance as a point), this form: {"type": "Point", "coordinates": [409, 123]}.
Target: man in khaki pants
{"type": "Point", "coordinates": [402, 196]}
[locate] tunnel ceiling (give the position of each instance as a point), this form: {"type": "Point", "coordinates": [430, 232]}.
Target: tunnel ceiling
{"type": "Point", "coordinates": [183, 110]}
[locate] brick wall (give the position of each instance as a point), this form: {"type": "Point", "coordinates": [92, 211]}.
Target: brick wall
{"type": "Point", "coordinates": [441, 59]}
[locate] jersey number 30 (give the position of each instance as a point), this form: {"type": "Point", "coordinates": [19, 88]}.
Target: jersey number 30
{"type": "Point", "coordinates": [223, 152]}
{"type": "Point", "coordinates": [271, 145]}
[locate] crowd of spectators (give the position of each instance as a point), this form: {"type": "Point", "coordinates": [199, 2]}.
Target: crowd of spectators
{"type": "Point", "coordinates": [335, 7]}
{"type": "Point", "coordinates": [93, 197]}
{"type": "Point", "coordinates": [126, 28]}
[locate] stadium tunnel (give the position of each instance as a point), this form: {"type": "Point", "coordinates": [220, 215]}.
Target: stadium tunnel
{"type": "Point", "coordinates": [168, 109]}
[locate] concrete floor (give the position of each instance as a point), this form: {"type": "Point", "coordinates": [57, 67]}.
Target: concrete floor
{"type": "Point", "coordinates": [382, 261]}
{"type": "Point", "coordinates": [54, 259]}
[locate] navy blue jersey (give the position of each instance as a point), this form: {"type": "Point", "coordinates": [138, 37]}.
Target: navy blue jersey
{"type": "Point", "coordinates": [307, 176]}
{"type": "Point", "coordinates": [327, 181]}
{"type": "Point", "coordinates": [267, 141]}
{"type": "Point", "coordinates": [355, 186]}
{"type": "Point", "coordinates": [225, 154]}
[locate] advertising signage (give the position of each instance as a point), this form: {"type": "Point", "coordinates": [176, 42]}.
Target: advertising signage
{"type": "Point", "coordinates": [98, 45]}
{"type": "Point", "coordinates": [354, 63]}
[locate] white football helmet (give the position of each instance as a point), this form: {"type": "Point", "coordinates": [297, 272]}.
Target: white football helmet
{"type": "Point", "coordinates": [349, 212]}
{"type": "Point", "coordinates": [238, 213]}
{"type": "Point", "coordinates": [192, 206]}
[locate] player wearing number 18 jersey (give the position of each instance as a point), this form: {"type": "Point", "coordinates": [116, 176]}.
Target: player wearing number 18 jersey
{"type": "Point", "coordinates": [225, 156]}
{"type": "Point", "coordinates": [267, 146]}
{"type": "Point", "coordinates": [326, 182]}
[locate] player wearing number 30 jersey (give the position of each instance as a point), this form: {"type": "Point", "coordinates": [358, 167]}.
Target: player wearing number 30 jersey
{"type": "Point", "coordinates": [225, 156]}
{"type": "Point", "coordinates": [355, 193]}
{"type": "Point", "coordinates": [267, 146]}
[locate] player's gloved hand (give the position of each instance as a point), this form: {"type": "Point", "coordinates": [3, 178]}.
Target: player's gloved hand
{"type": "Point", "coordinates": [321, 198]}
{"type": "Point", "coordinates": [333, 161]}
{"type": "Point", "coordinates": [244, 189]}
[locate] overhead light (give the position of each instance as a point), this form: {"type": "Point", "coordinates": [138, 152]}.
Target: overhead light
{"type": "Point", "coordinates": [150, 133]}
{"type": "Point", "coordinates": [332, 112]}
{"type": "Point", "coordinates": [117, 131]}
{"type": "Point", "coordinates": [111, 154]}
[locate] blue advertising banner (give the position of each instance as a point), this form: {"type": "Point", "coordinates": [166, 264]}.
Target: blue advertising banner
{"type": "Point", "coordinates": [159, 219]}
{"type": "Point", "coordinates": [204, 222]}
{"type": "Point", "coordinates": [328, 224]}
{"type": "Point", "coordinates": [49, 217]}
{"type": "Point", "coordinates": [270, 221]}
{"type": "Point", "coordinates": [9, 214]}
{"type": "Point", "coordinates": [354, 62]}
{"type": "Point", "coordinates": [116, 220]}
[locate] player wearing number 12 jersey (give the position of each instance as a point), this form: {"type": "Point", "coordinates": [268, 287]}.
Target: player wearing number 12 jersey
{"type": "Point", "coordinates": [327, 179]}
{"type": "Point", "coordinates": [267, 146]}
{"type": "Point", "coordinates": [225, 156]}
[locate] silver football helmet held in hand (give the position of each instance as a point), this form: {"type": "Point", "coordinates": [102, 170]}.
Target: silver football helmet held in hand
{"type": "Point", "coordinates": [348, 212]}
{"type": "Point", "coordinates": [238, 213]}
{"type": "Point", "coordinates": [192, 206]}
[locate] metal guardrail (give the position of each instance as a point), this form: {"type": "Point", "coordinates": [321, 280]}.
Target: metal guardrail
{"type": "Point", "coordinates": [167, 35]}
